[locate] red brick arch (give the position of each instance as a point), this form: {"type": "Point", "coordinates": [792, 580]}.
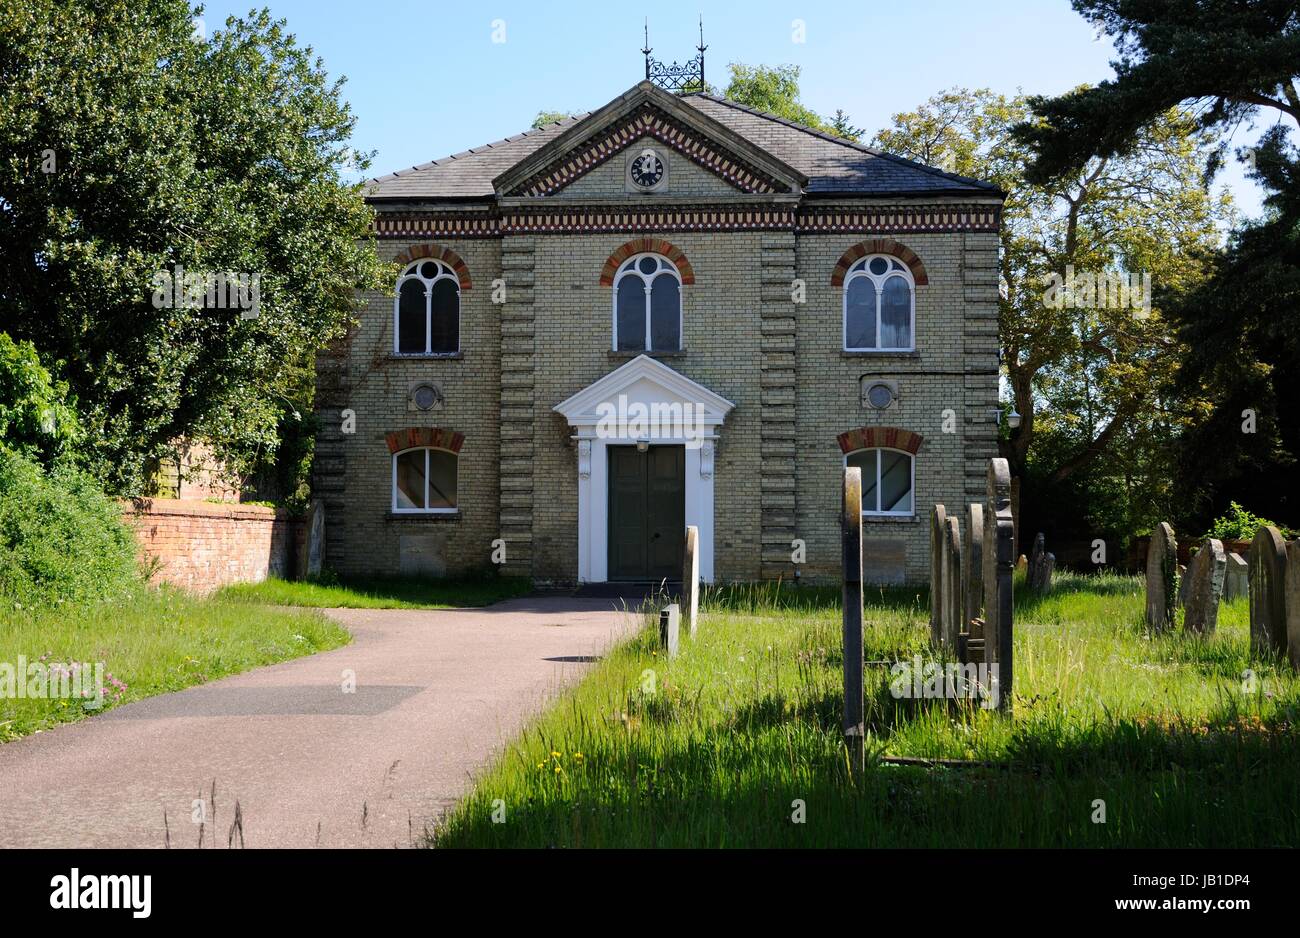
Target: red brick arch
{"type": "Point", "coordinates": [877, 437]}
{"type": "Point", "coordinates": [880, 246]}
{"type": "Point", "coordinates": [438, 253]}
{"type": "Point", "coordinates": [433, 437]}
{"type": "Point", "coordinates": [647, 246]}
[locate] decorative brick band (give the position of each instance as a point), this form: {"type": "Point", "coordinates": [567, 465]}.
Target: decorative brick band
{"type": "Point", "coordinates": [437, 225]}
{"type": "Point", "coordinates": [594, 220]}
{"type": "Point", "coordinates": [647, 122]}
{"type": "Point", "coordinates": [446, 255]}
{"type": "Point", "coordinates": [647, 246]}
{"type": "Point", "coordinates": [878, 437]}
{"type": "Point", "coordinates": [433, 437]}
{"type": "Point", "coordinates": [879, 246]}
{"type": "Point", "coordinates": [986, 218]}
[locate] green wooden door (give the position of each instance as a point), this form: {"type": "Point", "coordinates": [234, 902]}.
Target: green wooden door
{"type": "Point", "coordinates": [647, 512]}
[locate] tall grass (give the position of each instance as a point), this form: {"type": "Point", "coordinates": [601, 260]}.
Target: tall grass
{"type": "Point", "coordinates": [150, 643]}
{"type": "Point", "coordinates": [722, 745]}
{"type": "Point", "coordinates": [396, 592]}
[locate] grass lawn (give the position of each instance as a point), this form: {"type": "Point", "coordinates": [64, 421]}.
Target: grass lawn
{"type": "Point", "coordinates": [151, 644]}
{"type": "Point", "coordinates": [381, 592]}
{"type": "Point", "coordinates": [721, 746]}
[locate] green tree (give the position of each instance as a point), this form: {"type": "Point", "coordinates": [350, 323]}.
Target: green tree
{"type": "Point", "coordinates": [36, 419]}
{"type": "Point", "coordinates": [775, 90]}
{"type": "Point", "coordinates": [1228, 62]}
{"type": "Point", "coordinates": [1091, 382]}
{"type": "Point", "coordinates": [133, 146]}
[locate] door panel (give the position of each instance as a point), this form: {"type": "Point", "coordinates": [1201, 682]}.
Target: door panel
{"type": "Point", "coordinates": [666, 500]}
{"type": "Point", "coordinates": [647, 512]}
{"type": "Point", "coordinates": [627, 513]}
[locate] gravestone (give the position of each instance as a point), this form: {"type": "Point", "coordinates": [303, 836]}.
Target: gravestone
{"type": "Point", "coordinates": [1268, 628]}
{"type": "Point", "coordinates": [691, 579]}
{"type": "Point", "coordinates": [938, 518]}
{"type": "Point", "coordinates": [1162, 562]}
{"type": "Point", "coordinates": [851, 543]}
{"type": "Point", "coordinates": [972, 562]}
{"type": "Point", "coordinates": [1293, 603]}
{"type": "Point", "coordinates": [1205, 587]}
{"type": "Point", "coordinates": [315, 539]}
{"type": "Point", "coordinates": [669, 628]}
{"type": "Point", "coordinates": [999, 558]}
{"type": "Point", "coordinates": [1041, 565]}
{"type": "Point", "coordinates": [1236, 582]}
{"type": "Point", "coordinates": [1183, 585]}
{"type": "Point", "coordinates": [952, 584]}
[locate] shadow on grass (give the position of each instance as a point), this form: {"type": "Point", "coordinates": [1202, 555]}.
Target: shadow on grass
{"type": "Point", "coordinates": [745, 785]}
{"type": "Point", "coordinates": [778, 596]}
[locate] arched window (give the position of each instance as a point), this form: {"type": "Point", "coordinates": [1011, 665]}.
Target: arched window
{"type": "Point", "coordinates": [879, 306]}
{"type": "Point", "coordinates": [887, 480]}
{"type": "Point", "coordinates": [424, 480]}
{"type": "Point", "coordinates": [426, 314]}
{"type": "Point", "coordinates": [647, 305]}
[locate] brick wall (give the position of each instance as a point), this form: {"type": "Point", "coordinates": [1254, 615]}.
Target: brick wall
{"type": "Point", "coordinates": [201, 546]}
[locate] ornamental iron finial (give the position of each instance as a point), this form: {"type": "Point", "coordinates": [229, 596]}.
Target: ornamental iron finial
{"type": "Point", "coordinates": [679, 79]}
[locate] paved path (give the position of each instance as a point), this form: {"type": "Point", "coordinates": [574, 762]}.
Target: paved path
{"type": "Point", "coordinates": [436, 694]}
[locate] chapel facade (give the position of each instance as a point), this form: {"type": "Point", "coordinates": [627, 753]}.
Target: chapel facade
{"type": "Point", "coordinates": [671, 311]}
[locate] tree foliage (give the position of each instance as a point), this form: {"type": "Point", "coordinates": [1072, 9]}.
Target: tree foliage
{"type": "Point", "coordinates": [1092, 383]}
{"type": "Point", "coordinates": [36, 419]}
{"type": "Point", "coordinates": [132, 146]}
{"type": "Point", "coordinates": [1228, 62]}
{"type": "Point", "coordinates": [775, 90]}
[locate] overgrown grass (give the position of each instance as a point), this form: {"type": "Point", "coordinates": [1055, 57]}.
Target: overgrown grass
{"type": "Point", "coordinates": [150, 643]}
{"type": "Point", "coordinates": [721, 745]}
{"type": "Point", "coordinates": [380, 592]}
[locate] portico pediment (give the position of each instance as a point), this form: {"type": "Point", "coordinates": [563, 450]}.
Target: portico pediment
{"type": "Point", "coordinates": [644, 385]}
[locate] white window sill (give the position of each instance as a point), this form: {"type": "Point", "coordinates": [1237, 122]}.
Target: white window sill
{"type": "Point", "coordinates": [889, 519]}
{"type": "Point", "coordinates": [422, 356]}
{"type": "Point", "coordinates": [446, 514]}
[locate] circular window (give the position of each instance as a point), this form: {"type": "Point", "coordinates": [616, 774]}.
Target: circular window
{"type": "Point", "coordinates": [426, 396]}
{"type": "Point", "coordinates": [880, 396]}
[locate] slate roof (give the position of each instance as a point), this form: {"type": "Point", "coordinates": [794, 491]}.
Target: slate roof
{"type": "Point", "coordinates": [833, 166]}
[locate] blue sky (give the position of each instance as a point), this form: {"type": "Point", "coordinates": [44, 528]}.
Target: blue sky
{"type": "Point", "coordinates": [427, 80]}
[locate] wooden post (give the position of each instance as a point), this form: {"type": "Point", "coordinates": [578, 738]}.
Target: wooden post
{"type": "Point", "coordinates": [851, 536]}
{"type": "Point", "coordinates": [691, 579]}
{"type": "Point", "coordinates": [669, 627]}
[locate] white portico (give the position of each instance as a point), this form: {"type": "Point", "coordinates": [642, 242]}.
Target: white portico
{"type": "Point", "coordinates": [643, 407]}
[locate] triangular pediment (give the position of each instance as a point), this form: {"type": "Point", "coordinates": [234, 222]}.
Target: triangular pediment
{"type": "Point", "coordinates": [643, 381]}
{"type": "Point", "coordinates": [648, 112]}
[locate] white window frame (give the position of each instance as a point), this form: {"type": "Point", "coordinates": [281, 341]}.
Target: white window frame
{"type": "Point", "coordinates": [911, 481]}
{"type": "Point", "coordinates": [455, 509]}
{"type": "Point", "coordinates": [860, 269]}
{"type": "Point", "coordinates": [412, 272]}
{"type": "Point", "coordinates": [629, 269]}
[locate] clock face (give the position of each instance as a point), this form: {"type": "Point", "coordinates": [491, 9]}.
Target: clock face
{"type": "Point", "coordinates": [646, 169]}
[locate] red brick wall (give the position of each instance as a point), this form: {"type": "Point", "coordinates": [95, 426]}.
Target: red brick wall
{"type": "Point", "coordinates": [201, 546]}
